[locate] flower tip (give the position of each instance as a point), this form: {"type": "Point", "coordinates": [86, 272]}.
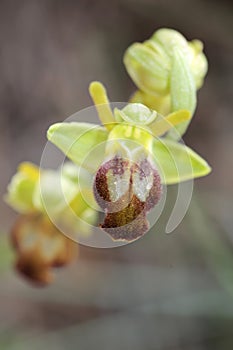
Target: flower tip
{"type": "Point", "coordinates": [208, 169]}
{"type": "Point", "coordinates": [186, 115]}
{"type": "Point", "coordinates": [52, 130]}
{"type": "Point", "coordinates": [96, 88]}
{"type": "Point", "coordinates": [204, 168]}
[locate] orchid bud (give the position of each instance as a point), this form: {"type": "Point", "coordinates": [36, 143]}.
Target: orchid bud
{"type": "Point", "coordinates": [169, 68]}
{"type": "Point", "coordinates": [150, 64]}
{"type": "Point", "coordinates": [40, 246]}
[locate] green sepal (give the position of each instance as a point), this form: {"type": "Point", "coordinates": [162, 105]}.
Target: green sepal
{"type": "Point", "coordinates": [177, 162]}
{"type": "Point", "coordinates": [76, 140]}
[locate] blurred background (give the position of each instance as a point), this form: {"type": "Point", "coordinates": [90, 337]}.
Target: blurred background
{"type": "Point", "coordinates": [164, 291]}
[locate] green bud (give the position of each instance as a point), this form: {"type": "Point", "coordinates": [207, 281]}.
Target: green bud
{"type": "Point", "coordinates": [150, 64]}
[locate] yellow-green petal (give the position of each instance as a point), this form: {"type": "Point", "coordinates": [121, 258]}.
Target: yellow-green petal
{"type": "Point", "coordinates": [163, 124]}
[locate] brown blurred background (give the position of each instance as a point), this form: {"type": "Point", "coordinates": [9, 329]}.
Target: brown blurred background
{"type": "Point", "coordinates": [164, 291]}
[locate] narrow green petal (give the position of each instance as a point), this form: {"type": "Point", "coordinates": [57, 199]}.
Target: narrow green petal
{"type": "Point", "coordinates": [99, 96]}
{"type": "Point", "coordinates": [76, 140]}
{"type": "Point", "coordinates": [166, 123]}
{"type": "Point", "coordinates": [178, 162]}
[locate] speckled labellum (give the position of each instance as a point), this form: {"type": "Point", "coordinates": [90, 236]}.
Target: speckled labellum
{"type": "Point", "coordinates": [126, 191]}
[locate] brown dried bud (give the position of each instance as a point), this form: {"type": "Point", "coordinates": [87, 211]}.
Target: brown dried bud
{"type": "Point", "coordinates": [126, 191]}
{"type": "Point", "coordinates": [40, 246]}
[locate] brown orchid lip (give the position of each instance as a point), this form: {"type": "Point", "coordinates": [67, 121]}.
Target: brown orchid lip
{"type": "Point", "coordinates": [115, 169]}
{"type": "Point", "coordinates": [128, 224]}
{"type": "Point", "coordinates": [126, 191]}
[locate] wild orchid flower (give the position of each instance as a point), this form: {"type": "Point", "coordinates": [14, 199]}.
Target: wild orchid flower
{"type": "Point", "coordinates": [125, 159]}
{"type": "Point", "coordinates": [137, 159]}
